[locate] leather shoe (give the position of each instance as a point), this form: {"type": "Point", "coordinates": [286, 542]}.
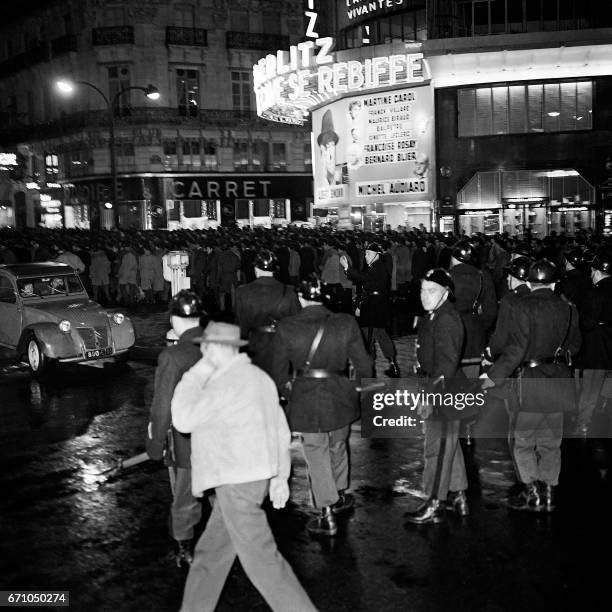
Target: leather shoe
{"type": "Point", "coordinates": [528, 499]}
{"type": "Point", "coordinates": [184, 554]}
{"type": "Point", "coordinates": [457, 502]}
{"type": "Point", "coordinates": [431, 512]}
{"type": "Point", "coordinates": [345, 502]}
{"type": "Point", "coordinates": [324, 524]}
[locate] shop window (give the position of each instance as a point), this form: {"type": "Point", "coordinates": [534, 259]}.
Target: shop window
{"type": "Point", "coordinates": [241, 89]}
{"type": "Point", "coordinates": [174, 210]}
{"type": "Point", "coordinates": [188, 92]}
{"type": "Point", "coordinates": [192, 208]}
{"type": "Point", "coordinates": [169, 147]}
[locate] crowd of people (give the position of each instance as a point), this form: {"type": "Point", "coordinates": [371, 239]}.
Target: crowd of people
{"type": "Point", "coordinates": [527, 320]}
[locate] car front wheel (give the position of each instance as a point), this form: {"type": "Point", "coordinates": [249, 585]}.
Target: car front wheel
{"type": "Point", "coordinates": [37, 360]}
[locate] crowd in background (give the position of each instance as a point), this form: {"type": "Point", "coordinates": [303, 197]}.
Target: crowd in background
{"type": "Point", "coordinates": [126, 267]}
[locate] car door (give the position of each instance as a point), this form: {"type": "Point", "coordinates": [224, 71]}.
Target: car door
{"type": "Point", "coordinates": [10, 312]}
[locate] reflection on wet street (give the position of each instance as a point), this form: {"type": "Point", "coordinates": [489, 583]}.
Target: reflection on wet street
{"type": "Point", "coordinates": [69, 521]}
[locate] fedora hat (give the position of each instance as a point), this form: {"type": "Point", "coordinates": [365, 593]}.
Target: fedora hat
{"type": "Point", "coordinates": [223, 333]}
{"type": "Point", "coordinates": [327, 130]}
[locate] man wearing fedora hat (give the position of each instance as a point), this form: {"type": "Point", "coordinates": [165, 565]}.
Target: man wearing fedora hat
{"type": "Point", "coordinates": [335, 174]}
{"type": "Point", "coordinates": [240, 448]}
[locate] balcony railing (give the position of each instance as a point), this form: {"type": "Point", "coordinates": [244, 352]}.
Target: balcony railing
{"type": "Point", "coordinates": [260, 42]}
{"type": "Point", "coordinates": [18, 129]}
{"type": "Point", "coordinates": [194, 37]}
{"type": "Point", "coordinates": [113, 35]}
{"type": "Point", "coordinates": [64, 44]}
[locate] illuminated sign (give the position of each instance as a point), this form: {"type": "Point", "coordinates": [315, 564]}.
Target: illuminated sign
{"type": "Point", "coordinates": [375, 147]}
{"type": "Point", "coordinates": [352, 12]}
{"type": "Point", "coordinates": [8, 159]}
{"type": "Point", "coordinates": [311, 17]}
{"type": "Point", "coordinates": [290, 83]}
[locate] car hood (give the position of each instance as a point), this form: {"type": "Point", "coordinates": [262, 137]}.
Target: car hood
{"type": "Point", "coordinates": [79, 311]}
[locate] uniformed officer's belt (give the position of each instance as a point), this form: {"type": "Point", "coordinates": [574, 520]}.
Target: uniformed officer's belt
{"type": "Point", "coordinates": [319, 373]}
{"type": "Point", "coordinates": [534, 363]}
{"type": "Point", "coordinates": [267, 329]}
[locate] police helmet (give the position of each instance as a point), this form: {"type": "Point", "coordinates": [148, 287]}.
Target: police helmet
{"type": "Point", "coordinates": [543, 271]}
{"type": "Point", "coordinates": [464, 252]}
{"type": "Point", "coordinates": [519, 268]}
{"type": "Point", "coordinates": [266, 260]}
{"type": "Point", "coordinates": [441, 277]}
{"type": "Point", "coordinates": [602, 262]}
{"type": "Point", "coordinates": [522, 249]}
{"type": "Point", "coordinates": [186, 304]}
{"type": "Point", "coordinates": [374, 247]}
{"type": "Point", "coordinates": [575, 257]}
{"type": "Point", "coordinates": [310, 289]}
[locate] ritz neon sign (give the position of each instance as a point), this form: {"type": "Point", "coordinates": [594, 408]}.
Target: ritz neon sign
{"type": "Point", "coordinates": [289, 83]}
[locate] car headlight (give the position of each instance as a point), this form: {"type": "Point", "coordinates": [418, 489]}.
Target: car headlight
{"type": "Point", "coordinates": [64, 326]}
{"type": "Point", "coordinates": [118, 318]}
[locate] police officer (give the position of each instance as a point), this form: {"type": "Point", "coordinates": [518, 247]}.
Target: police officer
{"type": "Point", "coordinates": [163, 440]}
{"type": "Point", "coordinates": [440, 338]}
{"type": "Point", "coordinates": [574, 283]}
{"type": "Point", "coordinates": [374, 310]}
{"type": "Point", "coordinates": [314, 348]}
{"type": "Point", "coordinates": [476, 302]}
{"type": "Point", "coordinates": [595, 357]}
{"type": "Point", "coordinates": [260, 305]}
{"type": "Point", "coordinates": [545, 334]}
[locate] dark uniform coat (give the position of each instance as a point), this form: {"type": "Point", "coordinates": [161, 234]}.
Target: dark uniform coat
{"type": "Point", "coordinates": [440, 338]}
{"type": "Point", "coordinates": [542, 324]}
{"type": "Point", "coordinates": [172, 363]}
{"type": "Point", "coordinates": [320, 405]}
{"type": "Point", "coordinates": [507, 306]}
{"type": "Point", "coordinates": [374, 307]}
{"type": "Point", "coordinates": [574, 286]}
{"type": "Point", "coordinates": [467, 281]}
{"type": "Point", "coordinates": [259, 304]}
{"type": "Point", "coordinates": [596, 326]}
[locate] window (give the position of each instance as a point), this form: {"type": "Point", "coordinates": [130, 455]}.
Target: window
{"type": "Point", "coordinates": [307, 157]}
{"type": "Point", "coordinates": [192, 208]}
{"type": "Point", "coordinates": [184, 15]}
{"type": "Point", "coordinates": [51, 167]}
{"type": "Point", "coordinates": [239, 21]}
{"type": "Point", "coordinates": [210, 156]}
{"type": "Point", "coordinates": [7, 293]}
{"type": "Point", "coordinates": [260, 155]}
{"type": "Point", "coordinates": [519, 109]}
{"type": "Point", "coordinates": [191, 152]}
{"type": "Point", "coordinates": [279, 156]}
{"type": "Point", "coordinates": [241, 155]}
{"type": "Point", "coordinates": [169, 147]}
{"type": "Point", "coordinates": [118, 80]}
{"type": "Point", "coordinates": [241, 89]}
{"type": "Point", "coordinates": [188, 92]}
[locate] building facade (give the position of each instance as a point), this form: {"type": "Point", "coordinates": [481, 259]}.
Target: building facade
{"type": "Point", "coordinates": [197, 157]}
{"type": "Point", "coordinates": [520, 114]}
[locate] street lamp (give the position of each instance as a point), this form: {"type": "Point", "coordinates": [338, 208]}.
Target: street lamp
{"type": "Point", "coordinates": [67, 88]}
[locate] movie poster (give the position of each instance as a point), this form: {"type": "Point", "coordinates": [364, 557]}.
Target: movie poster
{"type": "Point", "coordinates": [375, 148]}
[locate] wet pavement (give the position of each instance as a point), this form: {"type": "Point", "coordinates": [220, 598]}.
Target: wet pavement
{"type": "Point", "coordinates": [64, 525]}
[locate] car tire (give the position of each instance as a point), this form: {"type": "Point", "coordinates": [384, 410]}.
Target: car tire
{"type": "Point", "coordinates": [38, 362]}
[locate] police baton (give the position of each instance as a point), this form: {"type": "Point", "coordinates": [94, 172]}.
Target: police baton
{"type": "Point", "coordinates": [123, 464]}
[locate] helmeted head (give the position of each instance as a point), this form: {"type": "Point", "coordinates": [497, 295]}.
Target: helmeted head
{"type": "Point", "coordinates": [464, 252]}
{"type": "Point", "coordinates": [575, 258]}
{"type": "Point", "coordinates": [266, 261]}
{"type": "Point", "coordinates": [372, 252]}
{"type": "Point", "coordinates": [186, 304]}
{"type": "Point", "coordinates": [312, 290]}
{"type": "Point", "coordinates": [602, 261]}
{"type": "Point", "coordinates": [543, 272]}
{"type": "Point", "coordinates": [518, 268]}
{"type": "Point", "coordinates": [436, 287]}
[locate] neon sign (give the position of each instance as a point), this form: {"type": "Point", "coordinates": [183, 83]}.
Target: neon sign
{"type": "Point", "coordinates": [290, 83]}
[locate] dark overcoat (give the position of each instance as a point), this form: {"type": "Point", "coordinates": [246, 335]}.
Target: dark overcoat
{"type": "Point", "coordinates": [574, 285]}
{"type": "Point", "coordinates": [467, 280]}
{"type": "Point", "coordinates": [375, 310]}
{"type": "Point", "coordinates": [319, 405]}
{"type": "Point", "coordinates": [542, 323]}
{"type": "Point", "coordinates": [596, 326]}
{"type": "Point", "coordinates": [258, 304]}
{"type": "Point", "coordinates": [505, 314]}
{"type": "Point", "coordinates": [172, 363]}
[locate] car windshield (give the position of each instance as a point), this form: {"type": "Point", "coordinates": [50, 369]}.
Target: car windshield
{"type": "Point", "coordinates": [44, 286]}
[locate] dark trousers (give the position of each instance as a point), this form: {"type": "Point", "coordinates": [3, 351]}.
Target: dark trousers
{"type": "Point", "coordinates": [379, 334]}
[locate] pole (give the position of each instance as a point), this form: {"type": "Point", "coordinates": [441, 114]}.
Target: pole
{"type": "Point", "coordinates": [113, 166]}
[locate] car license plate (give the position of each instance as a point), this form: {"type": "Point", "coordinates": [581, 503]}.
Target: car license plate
{"type": "Point", "coordinates": [105, 352]}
